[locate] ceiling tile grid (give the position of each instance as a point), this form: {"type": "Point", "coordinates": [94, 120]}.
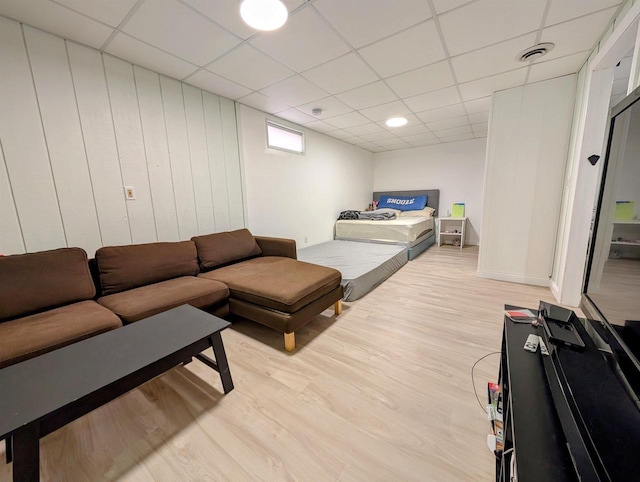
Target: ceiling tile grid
{"type": "Point", "coordinates": [435, 62]}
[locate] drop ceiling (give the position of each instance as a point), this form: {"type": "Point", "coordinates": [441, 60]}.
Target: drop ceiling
{"type": "Point", "coordinates": [435, 62]}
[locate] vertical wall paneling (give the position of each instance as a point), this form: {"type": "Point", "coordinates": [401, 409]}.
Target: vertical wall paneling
{"type": "Point", "coordinates": [199, 158]}
{"type": "Point", "coordinates": [232, 159]}
{"type": "Point", "coordinates": [10, 235]}
{"type": "Point", "coordinates": [23, 142]}
{"type": "Point", "coordinates": [126, 120]}
{"type": "Point", "coordinates": [54, 89]}
{"type": "Point", "coordinates": [178, 143]}
{"type": "Point", "coordinates": [100, 143]}
{"type": "Point", "coordinates": [157, 153]}
{"type": "Point", "coordinates": [217, 164]}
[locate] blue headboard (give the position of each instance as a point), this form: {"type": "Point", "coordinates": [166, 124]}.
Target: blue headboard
{"type": "Point", "coordinates": [433, 196]}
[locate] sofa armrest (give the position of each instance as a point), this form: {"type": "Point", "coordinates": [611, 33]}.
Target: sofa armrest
{"type": "Point", "coordinates": [277, 247]}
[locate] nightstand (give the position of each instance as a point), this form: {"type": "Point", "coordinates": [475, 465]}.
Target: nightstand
{"type": "Point", "coordinates": [451, 229]}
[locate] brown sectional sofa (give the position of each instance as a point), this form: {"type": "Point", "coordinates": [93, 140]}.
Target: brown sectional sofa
{"type": "Point", "coordinates": [46, 302]}
{"type": "Point", "coordinates": [47, 298]}
{"type": "Point", "coordinates": [267, 284]}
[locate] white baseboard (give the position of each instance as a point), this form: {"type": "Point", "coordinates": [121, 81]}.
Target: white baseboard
{"type": "Point", "coordinates": [514, 278]}
{"type": "Point", "coordinates": [555, 290]}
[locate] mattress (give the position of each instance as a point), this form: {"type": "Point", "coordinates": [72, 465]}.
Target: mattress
{"type": "Point", "coordinates": [401, 230]}
{"type": "Point", "coordinates": [363, 266]}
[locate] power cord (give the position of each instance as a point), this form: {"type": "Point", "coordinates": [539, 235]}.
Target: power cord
{"type": "Point", "coordinates": [475, 392]}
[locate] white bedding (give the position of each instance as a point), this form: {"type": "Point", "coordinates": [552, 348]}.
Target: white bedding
{"type": "Point", "coordinates": [401, 230]}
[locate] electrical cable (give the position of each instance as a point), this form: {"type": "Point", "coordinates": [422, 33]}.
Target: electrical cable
{"type": "Point", "coordinates": [475, 392]}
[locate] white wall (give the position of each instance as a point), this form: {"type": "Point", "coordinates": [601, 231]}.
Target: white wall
{"type": "Point", "coordinates": [526, 157]}
{"type": "Point", "coordinates": [76, 126]}
{"type": "Point", "coordinates": [300, 196]}
{"type": "Point", "coordinates": [456, 168]}
{"type": "Point", "coordinates": [588, 137]}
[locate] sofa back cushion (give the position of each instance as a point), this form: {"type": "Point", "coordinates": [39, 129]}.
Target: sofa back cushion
{"type": "Point", "coordinates": [122, 268]}
{"type": "Point", "coordinates": [220, 249]}
{"type": "Point", "coordinates": [34, 282]}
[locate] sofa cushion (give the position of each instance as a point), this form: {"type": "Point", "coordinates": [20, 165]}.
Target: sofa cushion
{"type": "Point", "coordinates": [125, 267]}
{"type": "Point", "coordinates": [219, 249]}
{"type": "Point", "coordinates": [34, 282]}
{"type": "Point", "coordinates": [282, 284]}
{"type": "Point", "coordinates": [33, 335]}
{"type": "Point", "coordinates": [139, 303]}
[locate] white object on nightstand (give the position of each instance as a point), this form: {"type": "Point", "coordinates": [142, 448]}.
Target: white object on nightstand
{"type": "Point", "coordinates": [447, 225]}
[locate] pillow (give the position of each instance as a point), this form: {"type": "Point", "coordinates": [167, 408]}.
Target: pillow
{"type": "Point", "coordinates": [220, 249]}
{"type": "Point", "coordinates": [422, 213]}
{"type": "Point", "coordinates": [403, 203]}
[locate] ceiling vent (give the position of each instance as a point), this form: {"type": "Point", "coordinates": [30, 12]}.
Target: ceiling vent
{"type": "Point", "coordinates": [535, 52]}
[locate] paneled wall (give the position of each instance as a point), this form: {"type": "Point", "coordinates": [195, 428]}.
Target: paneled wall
{"type": "Point", "coordinates": [76, 126]}
{"type": "Point", "coordinates": [527, 147]}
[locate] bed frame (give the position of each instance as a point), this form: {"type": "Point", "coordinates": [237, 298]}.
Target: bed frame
{"type": "Point", "coordinates": [421, 244]}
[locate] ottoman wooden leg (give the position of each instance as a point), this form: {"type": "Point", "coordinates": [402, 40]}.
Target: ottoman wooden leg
{"type": "Point", "coordinates": [289, 341]}
{"type": "Point", "coordinates": [337, 307]}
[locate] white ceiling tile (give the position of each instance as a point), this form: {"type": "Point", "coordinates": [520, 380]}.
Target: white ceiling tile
{"type": "Point", "coordinates": [330, 106]}
{"type": "Point", "coordinates": [347, 120]}
{"type": "Point", "coordinates": [111, 12]}
{"type": "Point", "coordinates": [340, 134]}
{"type": "Point", "coordinates": [442, 113]}
{"type": "Point", "coordinates": [428, 142]}
{"type": "Point", "coordinates": [576, 35]}
{"type": "Point", "coordinates": [415, 127]}
{"type": "Point", "coordinates": [454, 131]}
{"type": "Point", "coordinates": [364, 129]}
{"type": "Point", "coordinates": [263, 103]}
{"type": "Point", "coordinates": [139, 53]}
{"type": "Point", "coordinates": [57, 19]}
{"type": "Point", "coordinates": [462, 121]}
{"type": "Point", "coordinates": [461, 137]}
{"type": "Point", "coordinates": [294, 115]}
{"type": "Point", "coordinates": [226, 13]}
{"type": "Point", "coordinates": [294, 91]}
{"type": "Point", "coordinates": [478, 105]}
{"type": "Point", "coordinates": [177, 29]}
{"type": "Point", "coordinates": [392, 143]}
{"type": "Point", "coordinates": [480, 128]}
{"type": "Point", "coordinates": [424, 79]}
{"type": "Point", "coordinates": [379, 136]}
{"type": "Point", "coordinates": [427, 136]}
{"type": "Point", "coordinates": [479, 117]}
{"type": "Point", "coordinates": [216, 84]}
{"type": "Point", "coordinates": [481, 135]}
{"type": "Point", "coordinates": [344, 73]}
{"type": "Point", "coordinates": [250, 67]}
{"type": "Point", "coordinates": [305, 41]}
{"type": "Point", "coordinates": [486, 22]}
{"type": "Point", "coordinates": [562, 10]}
{"type": "Point", "coordinates": [446, 5]}
{"type": "Point", "coordinates": [491, 60]}
{"type": "Point", "coordinates": [367, 96]}
{"type": "Point", "coordinates": [433, 100]}
{"type": "Point", "coordinates": [557, 67]}
{"type": "Point", "coordinates": [320, 126]}
{"type": "Point", "coordinates": [385, 111]}
{"type": "Point", "coordinates": [382, 18]}
{"type": "Point", "coordinates": [415, 47]}
{"type": "Point", "coordinates": [484, 87]}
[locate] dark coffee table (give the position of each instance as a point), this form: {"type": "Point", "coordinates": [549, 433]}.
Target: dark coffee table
{"type": "Point", "coordinates": [40, 395]}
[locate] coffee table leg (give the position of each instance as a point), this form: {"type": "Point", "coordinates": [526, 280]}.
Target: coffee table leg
{"type": "Point", "coordinates": [26, 453]}
{"type": "Point", "coordinates": [221, 361]}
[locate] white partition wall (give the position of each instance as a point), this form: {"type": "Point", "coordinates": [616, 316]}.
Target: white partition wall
{"type": "Point", "coordinates": [77, 126]}
{"type": "Point", "coordinates": [526, 158]}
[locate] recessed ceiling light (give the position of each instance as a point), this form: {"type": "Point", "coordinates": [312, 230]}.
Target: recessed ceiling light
{"type": "Point", "coordinates": [264, 14]}
{"type": "Point", "coordinates": [396, 122]}
{"type": "Point", "coordinates": [535, 52]}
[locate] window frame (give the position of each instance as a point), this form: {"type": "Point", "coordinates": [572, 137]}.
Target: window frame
{"type": "Point", "coordinates": [288, 129]}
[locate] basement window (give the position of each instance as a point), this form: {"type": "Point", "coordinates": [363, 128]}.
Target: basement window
{"type": "Point", "coordinates": [284, 138]}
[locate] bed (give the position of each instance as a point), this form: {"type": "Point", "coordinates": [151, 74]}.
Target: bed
{"type": "Point", "coordinates": [414, 233]}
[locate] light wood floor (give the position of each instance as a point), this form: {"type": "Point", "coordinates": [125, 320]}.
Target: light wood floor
{"type": "Point", "coordinates": [382, 392]}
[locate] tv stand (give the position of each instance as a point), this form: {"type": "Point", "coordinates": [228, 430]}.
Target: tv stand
{"type": "Point", "coordinates": [533, 420]}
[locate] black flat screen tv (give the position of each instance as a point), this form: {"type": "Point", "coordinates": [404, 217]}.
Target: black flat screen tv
{"type": "Point", "coordinates": [611, 294]}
